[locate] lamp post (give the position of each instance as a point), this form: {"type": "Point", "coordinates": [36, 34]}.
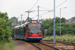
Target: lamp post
{"type": "Point", "coordinates": [60, 19]}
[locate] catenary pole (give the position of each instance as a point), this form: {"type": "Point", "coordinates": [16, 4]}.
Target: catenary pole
{"type": "Point", "coordinates": [38, 13]}
{"type": "Point", "coordinates": [21, 18]}
{"type": "Point", "coordinates": [54, 24]}
{"type": "Point", "coordinates": [60, 21]}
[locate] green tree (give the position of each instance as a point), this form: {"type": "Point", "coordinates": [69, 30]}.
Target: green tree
{"type": "Point", "coordinates": [57, 20]}
{"type": "Point", "coordinates": [5, 33]}
{"type": "Point", "coordinates": [65, 28]}
{"type": "Point", "coordinates": [13, 20]}
{"type": "Point", "coordinates": [4, 16]}
{"type": "Point", "coordinates": [63, 20]}
{"type": "Point", "coordinates": [48, 24]}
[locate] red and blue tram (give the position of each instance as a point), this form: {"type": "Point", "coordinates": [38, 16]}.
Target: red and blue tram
{"type": "Point", "coordinates": [29, 31]}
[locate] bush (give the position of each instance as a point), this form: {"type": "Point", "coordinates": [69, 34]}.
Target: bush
{"type": "Point", "coordinates": [7, 46]}
{"type": "Point", "coordinates": [5, 33]}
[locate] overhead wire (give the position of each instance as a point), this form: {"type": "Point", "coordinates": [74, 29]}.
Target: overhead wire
{"type": "Point", "coordinates": [61, 4]}
{"type": "Point", "coordinates": [31, 8]}
{"type": "Point", "coordinates": [19, 17]}
{"type": "Point", "coordinates": [34, 5]}
{"type": "Point", "coordinates": [52, 9]}
{"type": "Point", "coordinates": [46, 8]}
{"type": "Point", "coordinates": [44, 13]}
{"type": "Point", "coordinates": [41, 14]}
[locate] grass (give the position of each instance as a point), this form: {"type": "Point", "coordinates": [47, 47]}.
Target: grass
{"type": "Point", "coordinates": [7, 46]}
{"type": "Point", "coordinates": [65, 38]}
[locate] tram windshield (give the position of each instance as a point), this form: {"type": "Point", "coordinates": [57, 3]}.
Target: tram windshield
{"type": "Point", "coordinates": [35, 28]}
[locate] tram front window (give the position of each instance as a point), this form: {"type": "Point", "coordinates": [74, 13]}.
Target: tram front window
{"type": "Point", "coordinates": [34, 28]}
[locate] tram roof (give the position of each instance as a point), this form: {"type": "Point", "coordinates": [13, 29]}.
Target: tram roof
{"type": "Point", "coordinates": [17, 26]}
{"type": "Point", "coordinates": [22, 25]}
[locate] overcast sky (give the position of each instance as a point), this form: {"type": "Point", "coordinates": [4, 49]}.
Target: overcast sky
{"type": "Point", "coordinates": [18, 7]}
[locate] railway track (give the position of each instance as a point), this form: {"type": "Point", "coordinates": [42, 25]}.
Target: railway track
{"type": "Point", "coordinates": [42, 46]}
{"type": "Point", "coordinates": [46, 45]}
{"type": "Point", "coordinates": [60, 44]}
{"type": "Point", "coordinates": [66, 43]}
{"type": "Point", "coordinates": [36, 46]}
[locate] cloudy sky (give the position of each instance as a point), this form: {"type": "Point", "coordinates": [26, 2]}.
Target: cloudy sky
{"type": "Point", "coordinates": [18, 7]}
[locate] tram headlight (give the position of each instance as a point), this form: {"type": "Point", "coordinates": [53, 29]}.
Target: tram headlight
{"type": "Point", "coordinates": [39, 34]}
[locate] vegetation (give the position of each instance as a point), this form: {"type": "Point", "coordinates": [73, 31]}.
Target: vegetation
{"type": "Point", "coordinates": [11, 24]}
{"type": "Point", "coordinates": [65, 38]}
{"type": "Point", "coordinates": [6, 46]}
{"type": "Point", "coordinates": [65, 28]}
{"type": "Point", "coordinates": [5, 32]}
{"type": "Point", "coordinates": [28, 19]}
{"type": "Point", "coordinates": [13, 20]}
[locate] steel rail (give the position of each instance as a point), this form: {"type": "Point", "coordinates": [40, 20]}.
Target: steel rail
{"type": "Point", "coordinates": [45, 45]}
{"type": "Point", "coordinates": [51, 46]}
{"type": "Point", "coordinates": [36, 46]}
{"type": "Point", "coordinates": [66, 43]}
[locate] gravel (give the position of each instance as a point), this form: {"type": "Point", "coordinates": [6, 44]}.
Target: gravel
{"type": "Point", "coordinates": [22, 45]}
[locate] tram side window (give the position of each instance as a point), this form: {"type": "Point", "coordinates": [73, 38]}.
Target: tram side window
{"type": "Point", "coordinates": [25, 29]}
{"type": "Point", "coordinates": [17, 32]}
{"type": "Point", "coordinates": [21, 30]}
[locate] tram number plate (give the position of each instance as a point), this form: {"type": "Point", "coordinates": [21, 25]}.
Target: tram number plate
{"type": "Point", "coordinates": [33, 24]}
